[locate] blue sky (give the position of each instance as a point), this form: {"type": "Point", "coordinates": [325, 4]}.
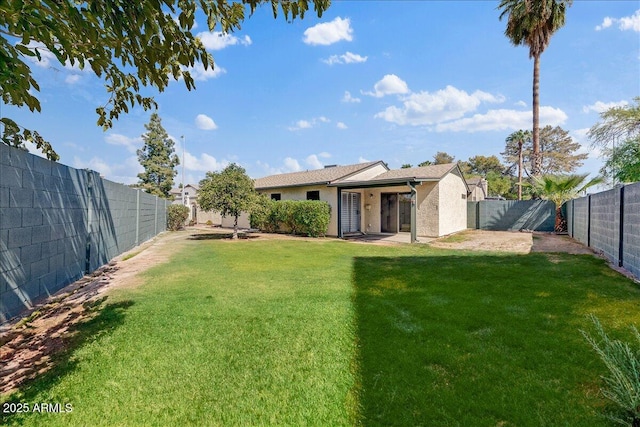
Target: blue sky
{"type": "Point", "coordinates": [371, 80]}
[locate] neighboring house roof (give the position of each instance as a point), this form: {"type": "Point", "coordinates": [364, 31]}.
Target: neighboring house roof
{"type": "Point", "coordinates": [313, 177]}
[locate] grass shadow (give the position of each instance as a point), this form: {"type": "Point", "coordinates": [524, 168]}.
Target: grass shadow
{"type": "Point", "coordinates": [220, 236]}
{"type": "Point", "coordinates": [479, 339]}
{"type": "Point", "coordinates": [55, 356]}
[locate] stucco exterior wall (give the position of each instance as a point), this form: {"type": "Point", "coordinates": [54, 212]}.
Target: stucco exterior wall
{"type": "Point", "coordinates": [204, 216]}
{"type": "Point", "coordinates": [327, 194]}
{"type": "Point", "coordinates": [452, 205]}
{"type": "Point", "coordinates": [427, 213]}
{"type": "Point", "coordinates": [243, 221]}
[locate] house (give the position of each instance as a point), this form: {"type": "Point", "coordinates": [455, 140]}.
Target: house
{"type": "Point", "coordinates": [196, 215]}
{"type": "Point", "coordinates": [478, 189]}
{"type": "Point", "coordinates": [429, 201]}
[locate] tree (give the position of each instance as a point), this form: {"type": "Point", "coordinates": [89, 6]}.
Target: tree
{"type": "Point", "coordinates": [130, 44]}
{"type": "Point", "coordinates": [441, 158]}
{"type": "Point", "coordinates": [623, 162]}
{"type": "Point", "coordinates": [406, 166]}
{"type": "Point", "coordinates": [558, 151]}
{"type": "Point", "coordinates": [619, 135]}
{"type": "Point", "coordinates": [516, 142]}
{"type": "Point", "coordinates": [532, 23]}
{"type": "Point", "coordinates": [229, 192]}
{"type": "Point", "coordinates": [157, 158]}
{"type": "Point", "coordinates": [482, 165]}
{"type": "Point", "coordinates": [560, 189]}
{"type": "Point", "coordinates": [425, 163]}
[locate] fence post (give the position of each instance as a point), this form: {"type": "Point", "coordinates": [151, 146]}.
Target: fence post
{"type": "Point", "coordinates": [589, 220]}
{"type": "Point", "coordinates": [155, 220]}
{"type": "Point", "coordinates": [621, 233]}
{"type": "Point", "coordinates": [89, 202]}
{"type": "Point", "coordinates": [137, 217]}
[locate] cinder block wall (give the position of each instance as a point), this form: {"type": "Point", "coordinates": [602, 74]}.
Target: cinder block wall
{"type": "Point", "coordinates": [631, 229]}
{"type": "Point", "coordinates": [605, 223]}
{"type": "Point", "coordinates": [57, 222]}
{"type": "Point", "coordinates": [599, 225]}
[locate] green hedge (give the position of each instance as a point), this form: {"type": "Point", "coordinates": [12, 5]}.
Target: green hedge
{"type": "Point", "coordinates": [310, 217]}
{"type": "Point", "coordinates": [176, 217]}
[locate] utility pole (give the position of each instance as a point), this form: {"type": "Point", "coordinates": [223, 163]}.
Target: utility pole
{"type": "Point", "coordinates": [182, 180]}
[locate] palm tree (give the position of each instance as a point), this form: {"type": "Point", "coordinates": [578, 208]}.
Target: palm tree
{"type": "Point", "coordinates": [518, 138]}
{"type": "Point", "coordinates": [560, 189]}
{"type": "Point", "coordinates": [532, 23]}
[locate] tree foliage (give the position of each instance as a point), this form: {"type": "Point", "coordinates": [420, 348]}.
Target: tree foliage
{"type": "Point", "coordinates": [618, 133]}
{"type": "Point", "coordinates": [483, 165]}
{"type": "Point", "coordinates": [229, 192]}
{"type": "Point", "coordinates": [158, 159]}
{"type": "Point", "coordinates": [441, 158]}
{"type": "Point", "coordinates": [560, 189]}
{"type": "Point", "coordinates": [558, 151]}
{"type": "Point", "coordinates": [130, 44]}
{"type": "Point", "coordinates": [533, 23]}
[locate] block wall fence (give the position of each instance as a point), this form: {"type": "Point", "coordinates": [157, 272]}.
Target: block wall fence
{"type": "Point", "coordinates": [511, 215]}
{"type": "Point", "coordinates": [58, 223]}
{"type": "Point", "coordinates": [609, 222]}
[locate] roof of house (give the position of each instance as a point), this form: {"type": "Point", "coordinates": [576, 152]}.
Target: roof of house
{"type": "Point", "coordinates": [312, 177]}
{"type": "Point", "coordinates": [178, 190]}
{"type": "Point", "coordinates": [402, 176]}
{"type": "Point", "coordinates": [423, 173]}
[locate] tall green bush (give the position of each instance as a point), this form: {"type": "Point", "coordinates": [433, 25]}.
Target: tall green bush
{"type": "Point", "coordinates": [622, 385]}
{"type": "Point", "coordinates": [176, 217]}
{"type": "Point", "coordinates": [309, 217]}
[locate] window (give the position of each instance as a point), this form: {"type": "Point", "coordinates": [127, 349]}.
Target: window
{"type": "Point", "coordinates": [313, 195]}
{"type": "Point", "coordinates": [275, 196]}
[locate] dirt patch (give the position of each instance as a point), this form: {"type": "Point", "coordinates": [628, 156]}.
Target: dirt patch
{"type": "Point", "coordinates": [484, 240]}
{"type": "Point", "coordinates": [511, 241]}
{"type": "Point", "coordinates": [549, 242]}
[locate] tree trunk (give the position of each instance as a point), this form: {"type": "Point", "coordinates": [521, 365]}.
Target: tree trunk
{"type": "Point", "coordinates": [561, 223]}
{"type": "Point", "coordinates": [235, 228]}
{"type": "Point", "coordinates": [535, 156]}
{"type": "Point", "coordinates": [520, 169]}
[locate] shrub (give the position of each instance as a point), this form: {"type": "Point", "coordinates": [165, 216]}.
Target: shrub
{"type": "Point", "coordinates": [176, 217]}
{"type": "Point", "coordinates": [310, 217]}
{"type": "Point", "coordinates": [622, 385]}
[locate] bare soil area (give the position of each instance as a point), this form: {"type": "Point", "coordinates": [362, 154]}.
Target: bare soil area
{"type": "Point", "coordinates": [28, 344]}
{"type": "Point", "coordinates": [511, 241]}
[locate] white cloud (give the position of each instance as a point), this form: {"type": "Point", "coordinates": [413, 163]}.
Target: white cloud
{"type": "Point", "coordinates": [521, 104]}
{"type": "Point", "coordinates": [363, 160]}
{"type": "Point", "coordinates": [291, 165]}
{"type": "Point", "coordinates": [205, 122]}
{"type": "Point", "coordinates": [425, 108]}
{"type": "Point", "coordinates": [348, 98]}
{"type": "Point", "coordinates": [199, 73]}
{"type": "Point", "coordinates": [600, 107]}
{"type": "Point", "coordinates": [314, 162]}
{"type": "Point", "coordinates": [308, 124]}
{"type": "Point", "coordinates": [606, 23]}
{"type": "Point", "coordinates": [204, 163]}
{"type": "Point", "coordinates": [630, 22]}
{"type": "Point", "coordinates": [341, 125]}
{"type": "Point", "coordinates": [503, 119]}
{"type": "Point", "coordinates": [347, 58]}
{"type": "Point", "coordinates": [131, 144]}
{"type": "Point", "coordinates": [389, 85]}
{"type": "Point", "coordinates": [72, 79]}
{"type": "Point", "coordinates": [217, 40]}
{"type": "Point", "coordinates": [626, 23]}
{"type": "Point", "coordinates": [327, 33]}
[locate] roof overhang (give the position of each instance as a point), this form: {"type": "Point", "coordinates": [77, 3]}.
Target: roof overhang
{"type": "Point", "coordinates": [382, 183]}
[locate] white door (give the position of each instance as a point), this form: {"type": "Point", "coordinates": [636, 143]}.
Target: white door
{"type": "Point", "coordinates": [350, 212]}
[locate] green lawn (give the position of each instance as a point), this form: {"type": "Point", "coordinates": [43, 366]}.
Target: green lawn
{"type": "Point", "coordinates": [328, 333]}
